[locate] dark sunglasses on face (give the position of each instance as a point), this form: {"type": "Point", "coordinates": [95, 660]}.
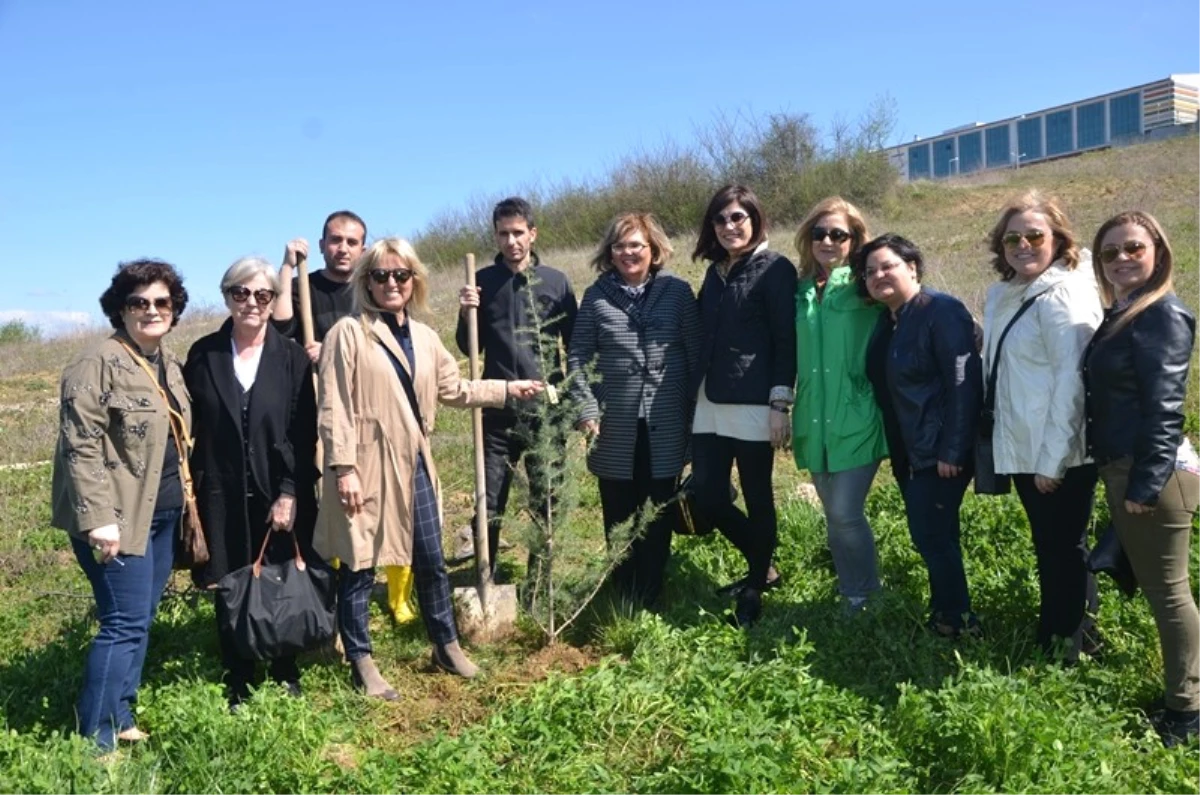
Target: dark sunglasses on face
{"type": "Point", "coordinates": [736, 218]}
{"type": "Point", "coordinates": [239, 294]}
{"type": "Point", "coordinates": [381, 275]}
{"type": "Point", "coordinates": [1134, 249]}
{"type": "Point", "coordinates": [819, 233]}
{"type": "Point", "coordinates": [1034, 237]}
{"type": "Point", "coordinates": [140, 303]}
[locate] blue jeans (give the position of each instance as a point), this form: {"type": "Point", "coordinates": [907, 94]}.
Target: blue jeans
{"type": "Point", "coordinates": [844, 496]}
{"type": "Point", "coordinates": [127, 590]}
{"type": "Point", "coordinates": [931, 504]}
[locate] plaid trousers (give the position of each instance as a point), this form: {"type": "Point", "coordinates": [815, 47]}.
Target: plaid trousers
{"type": "Point", "coordinates": [429, 571]}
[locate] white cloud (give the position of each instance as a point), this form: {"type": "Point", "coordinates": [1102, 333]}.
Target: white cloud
{"type": "Point", "coordinates": [49, 322]}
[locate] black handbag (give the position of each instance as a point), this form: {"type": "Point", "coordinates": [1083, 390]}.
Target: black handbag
{"type": "Point", "coordinates": [1108, 557]}
{"type": "Point", "coordinates": [277, 609]}
{"type": "Point", "coordinates": [987, 481]}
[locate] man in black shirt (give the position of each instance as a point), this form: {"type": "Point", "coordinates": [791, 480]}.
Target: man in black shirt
{"type": "Point", "coordinates": [342, 240]}
{"type": "Point", "coordinates": [505, 294]}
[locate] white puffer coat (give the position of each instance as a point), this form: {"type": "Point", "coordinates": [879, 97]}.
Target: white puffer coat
{"type": "Point", "coordinates": [1039, 388]}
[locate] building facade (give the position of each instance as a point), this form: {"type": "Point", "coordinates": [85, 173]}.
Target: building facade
{"type": "Point", "coordinates": [1134, 115]}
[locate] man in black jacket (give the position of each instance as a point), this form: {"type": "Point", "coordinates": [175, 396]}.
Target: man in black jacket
{"type": "Point", "coordinates": [342, 240]}
{"type": "Point", "coordinates": [524, 309]}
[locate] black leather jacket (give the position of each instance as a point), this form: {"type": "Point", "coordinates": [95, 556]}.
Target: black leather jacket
{"type": "Point", "coordinates": [1135, 381]}
{"type": "Point", "coordinates": [928, 381]}
{"type": "Point", "coordinates": [749, 326]}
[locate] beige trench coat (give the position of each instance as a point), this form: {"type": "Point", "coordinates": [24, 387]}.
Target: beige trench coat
{"type": "Point", "coordinates": [365, 421]}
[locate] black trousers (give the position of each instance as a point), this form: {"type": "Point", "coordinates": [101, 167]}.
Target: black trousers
{"type": "Point", "coordinates": [754, 533]}
{"type": "Point", "coordinates": [1059, 523]}
{"type": "Point", "coordinates": [640, 574]}
{"type": "Point", "coordinates": [506, 440]}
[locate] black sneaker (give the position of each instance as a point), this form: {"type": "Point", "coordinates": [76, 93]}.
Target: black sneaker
{"type": "Point", "coordinates": [747, 610]}
{"type": "Point", "coordinates": [1177, 727]}
{"type": "Point", "coordinates": [736, 587]}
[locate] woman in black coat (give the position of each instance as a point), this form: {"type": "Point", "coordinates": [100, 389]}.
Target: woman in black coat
{"type": "Point", "coordinates": [640, 328]}
{"type": "Point", "coordinates": [744, 385]}
{"type": "Point", "coordinates": [924, 365]}
{"type": "Point", "coordinates": [255, 429]}
{"type": "Point", "coordinates": [1135, 375]}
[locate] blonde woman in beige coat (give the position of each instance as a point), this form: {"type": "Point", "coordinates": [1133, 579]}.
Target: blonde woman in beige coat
{"type": "Point", "coordinates": [382, 376]}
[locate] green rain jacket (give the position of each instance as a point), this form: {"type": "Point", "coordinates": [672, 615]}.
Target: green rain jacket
{"type": "Point", "coordinates": [836, 424]}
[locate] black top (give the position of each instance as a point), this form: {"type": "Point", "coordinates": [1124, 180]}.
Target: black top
{"type": "Point", "coordinates": [170, 487]}
{"type": "Point", "coordinates": [331, 301]}
{"type": "Point", "coordinates": [1135, 382]}
{"type": "Point", "coordinates": [507, 323]}
{"type": "Point", "coordinates": [928, 380]}
{"type": "Point", "coordinates": [749, 324]}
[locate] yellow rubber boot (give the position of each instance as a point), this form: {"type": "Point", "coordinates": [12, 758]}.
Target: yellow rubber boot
{"type": "Point", "coordinates": [400, 585]}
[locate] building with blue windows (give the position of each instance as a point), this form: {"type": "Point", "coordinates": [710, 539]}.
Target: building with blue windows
{"type": "Point", "coordinates": [1134, 115]}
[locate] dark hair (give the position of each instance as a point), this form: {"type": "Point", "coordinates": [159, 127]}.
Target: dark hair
{"type": "Point", "coordinates": [344, 215]}
{"type": "Point", "coordinates": [513, 207]}
{"type": "Point", "coordinates": [708, 246]}
{"type": "Point", "coordinates": [902, 247]}
{"type": "Point", "coordinates": [131, 276]}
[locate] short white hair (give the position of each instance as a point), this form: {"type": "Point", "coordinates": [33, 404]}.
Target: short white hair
{"type": "Point", "coordinates": [245, 269]}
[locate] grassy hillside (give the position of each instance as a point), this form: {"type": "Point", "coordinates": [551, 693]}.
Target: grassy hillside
{"type": "Point", "coordinates": [669, 702]}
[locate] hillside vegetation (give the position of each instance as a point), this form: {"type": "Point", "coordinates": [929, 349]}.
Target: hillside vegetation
{"type": "Point", "coordinates": [674, 701]}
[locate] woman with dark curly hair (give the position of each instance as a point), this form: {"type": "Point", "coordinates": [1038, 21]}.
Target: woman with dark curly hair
{"type": "Point", "coordinates": [923, 363]}
{"type": "Point", "coordinates": [124, 421]}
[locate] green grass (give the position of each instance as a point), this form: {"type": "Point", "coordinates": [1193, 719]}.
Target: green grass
{"type": "Point", "coordinates": [671, 702]}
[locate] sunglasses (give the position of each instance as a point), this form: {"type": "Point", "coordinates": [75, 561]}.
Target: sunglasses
{"type": "Point", "coordinates": [819, 233]}
{"type": "Point", "coordinates": [1034, 237]}
{"type": "Point", "coordinates": [1134, 249]}
{"type": "Point", "coordinates": [140, 303]}
{"type": "Point", "coordinates": [736, 218]}
{"type": "Point", "coordinates": [239, 294]}
{"type": "Point", "coordinates": [381, 275]}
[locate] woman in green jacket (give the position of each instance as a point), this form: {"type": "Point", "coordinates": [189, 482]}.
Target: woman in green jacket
{"type": "Point", "coordinates": [837, 431]}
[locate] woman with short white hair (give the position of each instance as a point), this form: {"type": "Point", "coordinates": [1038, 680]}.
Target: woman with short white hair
{"type": "Point", "coordinates": [256, 435]}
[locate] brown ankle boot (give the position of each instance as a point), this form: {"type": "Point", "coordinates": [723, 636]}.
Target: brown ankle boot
{"type": "Point", "coordinates": [368, 679]}
{"type": "Point", "coordinates": [451, 658]}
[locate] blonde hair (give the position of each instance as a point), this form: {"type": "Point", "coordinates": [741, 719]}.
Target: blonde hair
{"type": "Point", "coordinates": [1034, 201]}
{"type": "Point", "coordinates": [372, 258]}
{"type": "Point", "coordinates": [829, 206]}
{"type": "Point", "coordinates": [626, 224]}
{"type": "Point", "coordinates": [1160, 282]}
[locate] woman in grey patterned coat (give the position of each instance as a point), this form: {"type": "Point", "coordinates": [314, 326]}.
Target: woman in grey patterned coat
{"type": "Point", "coordinates": [640, 327]}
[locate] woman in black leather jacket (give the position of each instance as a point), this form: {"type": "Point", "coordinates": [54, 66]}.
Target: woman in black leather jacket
{"type": "Point", "coordinates": [745, 380]}
{"type": "Point", "coordinates": [925, 367]}
{"type": "Point", "coordinates": [1135, 374]}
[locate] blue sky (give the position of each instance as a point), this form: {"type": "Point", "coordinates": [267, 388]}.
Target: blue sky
{"type": "Point", "coordinates": [203, 131]}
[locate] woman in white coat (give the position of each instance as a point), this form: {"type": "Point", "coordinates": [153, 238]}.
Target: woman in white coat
{"type": "Point", "coordinates": [1038, 436]}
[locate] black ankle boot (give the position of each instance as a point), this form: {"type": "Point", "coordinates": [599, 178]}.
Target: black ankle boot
{"type": "Point", "coordinates": [747, 609]}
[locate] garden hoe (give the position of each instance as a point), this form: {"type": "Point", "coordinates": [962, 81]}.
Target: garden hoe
{"type": "Point", "coordinates": [488, 610]}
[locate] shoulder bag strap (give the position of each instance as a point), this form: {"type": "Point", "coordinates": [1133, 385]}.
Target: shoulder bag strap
{"type": "Point", "coordinates": [179, 433]}
{"type": "Point", "coordinates": [989, 396]}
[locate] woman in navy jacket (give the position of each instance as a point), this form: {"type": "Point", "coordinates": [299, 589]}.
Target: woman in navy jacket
{"type": "Point", "coordinates": [744, 384]}
{"type": "Point", "coordinates": [924, 364]}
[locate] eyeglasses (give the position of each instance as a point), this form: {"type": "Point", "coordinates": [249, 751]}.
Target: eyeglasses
{"type": "Point", "coordinates": [1134, 249]}
{"type": "Point", "coordinates": [627, 248]}
{"type": "Point", "coordinates": [239, 294]}
{"type": "Point", "coordinates": [736, 218]}
{"type": "Point", "coordinates": [139, 303]}
{"type": "Point", "coordinates": [819, 233]}
{"type": "Point", "coordinates": [883, 269]}
{"type": "Point", "coordinates": [1034, 237]}
{"type": "Point", "coordinates": [381, 275]}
